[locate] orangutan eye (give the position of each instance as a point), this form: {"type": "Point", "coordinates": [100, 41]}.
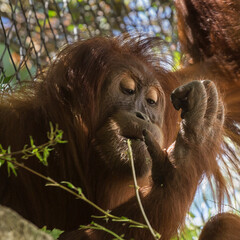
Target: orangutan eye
{"type": "Point", "coordinates": [129, 91]}
{"type": "Point", "coordinates": [152, 96]}
{"type": "Point", "coordinates": [150, 101]}
{"type": "Point", "coordinates": [128, 86]}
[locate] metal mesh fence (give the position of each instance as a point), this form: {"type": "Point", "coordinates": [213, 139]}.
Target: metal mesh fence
{"type": "Point", "coordinates": [32, 31]}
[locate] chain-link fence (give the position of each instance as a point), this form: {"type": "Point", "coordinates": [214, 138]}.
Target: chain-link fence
{"type": "Point", "coordinates": [32, 31]}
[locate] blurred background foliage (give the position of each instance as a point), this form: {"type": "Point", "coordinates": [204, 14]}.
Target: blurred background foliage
{"type": "Point", "coordinates": [33, 31]}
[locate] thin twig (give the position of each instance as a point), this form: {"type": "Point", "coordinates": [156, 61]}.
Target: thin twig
{"type": "Point", "coordinates": [78, 194]}
{"type": "Point", "coordinates": [137, 191]}
{"type": "Point", "coordinates": [102, 228]}
{"type": "Point", "coordinates": [51, 143]}
{"type": "Point", "coordinates": [52, 182]}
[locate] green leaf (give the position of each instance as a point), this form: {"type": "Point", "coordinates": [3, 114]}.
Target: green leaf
{"type": "Point", "coordinates": [2, 161]}
{"type": "Point", "coordinates": [158, 236]}
{"type": "Point", "coordinates": [70, 27]}
{"type": "Point", "coordinates": [11, 167]}
{"type": "Point", "coordinates": [1, 148]}
{"type": "Point", "coordinates": [25, 157]}
{"type": "Point", "coordinates": [32, 142]}
{"type": "Point", "coordinates": [52, 13]}
{"type": "Point", "coordinates": [192, 215]}
{"type": "Point", "coordinates": [7, 79]}
{"type": "Point", "coordinates": [70, 185]}
{"type": "Point", "coordinates": [177, 59]}
{"type": "Point", "coordinates": [9, 150]}
{"type": "Point", "coordinates": [168, 39]}
{"type": "Point", "coordinates": [35, 151]}
{"type": "Point", "coordinates": [38, 155]}
{"type": "Point", "coordinates": [25, 147]}
{"type": "Point", "coordinates": [55, 233]}
{"type": "Point", "coordinates": [45, 155]}
{"type": "Point", "coordinates": [79, 190]}
{"type": "Point", "coordinates": [81, 27]}
{"type": "Point", "coordinates": [41, 22]}
{"type": "Point", "coordinates": [52, 133]}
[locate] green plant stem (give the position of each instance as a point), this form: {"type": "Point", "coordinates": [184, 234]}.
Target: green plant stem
{"type": "Point", "coordinates": [50, 143]}
{"type": "Point", "coordinates": [99, 227]}
{"type": "Point", "coordinates": [137, 191]}
{"type": "Point", "coordinates": [74, 191]}
{"type": "Point", "coordinates": [82, 196]}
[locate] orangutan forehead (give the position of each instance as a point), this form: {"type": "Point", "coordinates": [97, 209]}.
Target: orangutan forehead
{"type": "Point", "coordinates": [138, 77]}
{"type": "Point", "coordinates": [133, 67]}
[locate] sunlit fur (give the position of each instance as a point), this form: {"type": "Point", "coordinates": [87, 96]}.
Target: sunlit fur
{"type": "Point", "coordinates": [224, 226]}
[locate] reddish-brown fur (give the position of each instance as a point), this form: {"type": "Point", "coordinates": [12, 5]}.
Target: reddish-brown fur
{"type": "Point", "coordinates": [69, 94]}
{"type": "Point", "coordinates": [80, 91]}
{"type": "Point", "coordinates": [224, 226]}
{"type": "Point", "coordinates": [209, 33]}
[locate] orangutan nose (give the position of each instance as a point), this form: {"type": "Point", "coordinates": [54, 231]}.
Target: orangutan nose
{"type": "Point", "coordinates": [142, 116]}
